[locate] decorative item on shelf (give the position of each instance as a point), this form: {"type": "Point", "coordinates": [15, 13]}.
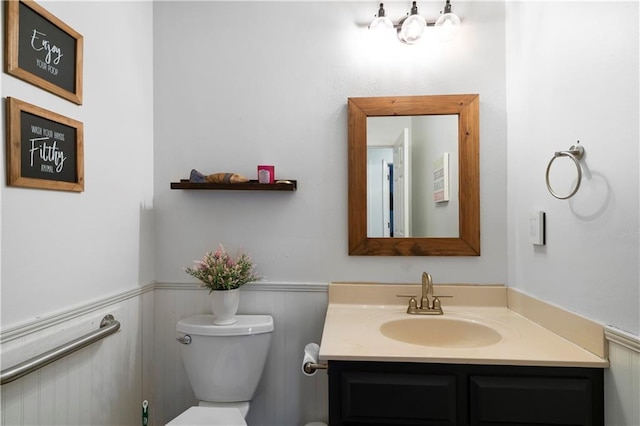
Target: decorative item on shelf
{"type": "Point", "coordinates": [223, 275]}
{"type": "Point", "coordinates": [411, 28]}
{"type": "Point", "coordinates": [266, 174]}
{"type": "Point", "coordinates": [197, 177]}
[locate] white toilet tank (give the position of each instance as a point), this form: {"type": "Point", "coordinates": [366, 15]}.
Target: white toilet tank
{"type": "Point", "coordinates": [224, 363]}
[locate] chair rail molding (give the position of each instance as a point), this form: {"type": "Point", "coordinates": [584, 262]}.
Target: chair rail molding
{"type": "Point", "coordinates": [622, 338]}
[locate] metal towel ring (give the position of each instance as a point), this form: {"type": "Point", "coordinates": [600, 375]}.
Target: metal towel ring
{"type": "Point", "coordinates": [576, 152]}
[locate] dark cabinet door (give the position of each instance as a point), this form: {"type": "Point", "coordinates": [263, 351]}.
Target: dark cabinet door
{"type": "Point", "coordinates": [530, 401]}
{"type": "Point", "coordinates": [397, 399]}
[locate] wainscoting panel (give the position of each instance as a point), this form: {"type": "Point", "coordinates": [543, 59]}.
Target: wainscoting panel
{"type": "Point", "coordinates": [105, 383]}
{"type": "Point", "coordinates": [97, 385]}
{"type": "Point", "coordinates": [622, 380]}
{"type": "Point", "coordinates": [285, 396]}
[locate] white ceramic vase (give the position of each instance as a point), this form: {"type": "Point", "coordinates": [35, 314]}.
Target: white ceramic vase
{"type": "Point", "coordinates": [224, 304]}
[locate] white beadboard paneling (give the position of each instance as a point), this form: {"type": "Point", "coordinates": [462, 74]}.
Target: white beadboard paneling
{"type": "Point", "coordinates": [285, 397]}
{"type": "Point", "coordinates": [12, 403]}
{"type": "Point", "coordinates": [622, 380]}
{"type": "Point", "coordinates": [98, 385]}
{"type": "Point", "coordinates": [30, 399]}
{"type": "Point", "coordinates": [147, 331]}
{"type": "Point", "coordinates": [74, 393]}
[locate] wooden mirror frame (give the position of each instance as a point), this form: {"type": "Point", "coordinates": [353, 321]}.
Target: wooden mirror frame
{"type": "Point", "coordinates": [467, 109]}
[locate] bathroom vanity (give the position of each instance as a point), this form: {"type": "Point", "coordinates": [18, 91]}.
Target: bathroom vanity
{"type": "Point", "coordinates": [401, 393]}
{"type": "Point", "coordinates": [480, 363]}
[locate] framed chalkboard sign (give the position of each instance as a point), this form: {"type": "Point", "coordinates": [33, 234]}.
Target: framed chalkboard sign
{"type": "Point", "coordinates": [44, 149]}
{"type": "Point", "coordinates": [43, 50]}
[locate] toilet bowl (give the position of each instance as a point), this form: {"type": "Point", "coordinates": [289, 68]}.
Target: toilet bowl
{"type": "Point", "coordinates": [224, 364]}
{"type": "Point", "coordinates": [207, 416]}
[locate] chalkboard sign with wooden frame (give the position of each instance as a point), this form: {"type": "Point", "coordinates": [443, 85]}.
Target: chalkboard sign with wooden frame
{"type": "Point", "coordinates": [44, 149]}
{"type": "Point", "coordinates": [43, 50]}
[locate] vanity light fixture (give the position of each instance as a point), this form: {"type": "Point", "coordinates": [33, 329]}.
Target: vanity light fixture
{"type": "Point", "coordinates": [411, 28]}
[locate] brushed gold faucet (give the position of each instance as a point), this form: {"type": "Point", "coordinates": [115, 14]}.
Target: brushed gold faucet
{"type": "Point", "coordinates": [426, 307]}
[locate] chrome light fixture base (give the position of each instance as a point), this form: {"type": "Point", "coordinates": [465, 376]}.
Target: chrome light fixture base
{"type": "Point", "coordinates": [411, 28]}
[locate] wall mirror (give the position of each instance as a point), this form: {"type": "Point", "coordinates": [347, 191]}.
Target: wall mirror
{"type": "Point", "coordinates": [414, 181]}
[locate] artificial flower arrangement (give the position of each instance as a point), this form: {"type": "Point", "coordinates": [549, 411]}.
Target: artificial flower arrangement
{"type": "Point", "coordinates": [219, 271]}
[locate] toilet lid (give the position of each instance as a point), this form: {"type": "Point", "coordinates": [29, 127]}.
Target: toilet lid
{"type": "Point", "coordinates": [209, 416]}
{"type": "Point", "coordinates": [202, 325]}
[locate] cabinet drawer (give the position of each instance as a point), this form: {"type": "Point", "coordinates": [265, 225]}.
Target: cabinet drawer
{"type": "Point", "coordinates": [398, 399]}
{"type": "Point", "coordinates": [530, 400]}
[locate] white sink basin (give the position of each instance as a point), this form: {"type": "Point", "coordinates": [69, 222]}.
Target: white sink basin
{"type": "Point", "coordinates": [440, 332]}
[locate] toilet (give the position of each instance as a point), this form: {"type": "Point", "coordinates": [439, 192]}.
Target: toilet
{"type": "Point", "coordinates": [224, 364]}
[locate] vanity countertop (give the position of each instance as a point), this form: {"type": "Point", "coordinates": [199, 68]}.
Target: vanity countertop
{"type": "Point", "coordinates": [352, 330]}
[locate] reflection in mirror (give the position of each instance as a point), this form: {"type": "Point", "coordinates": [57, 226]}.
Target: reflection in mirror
{"type": "Point", "coordinates": [418, 212]}
{"type": "Point", "coordinates": [412, 176]}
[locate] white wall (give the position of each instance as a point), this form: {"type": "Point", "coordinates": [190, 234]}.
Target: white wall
{"type": "Point", "coordinates": [68, 258]}
{"type": "Point", "coordinates": [567, 83]}
{"type": "Point", "coordinates": [431, 138]}
{"type": "Point", "coordinates": [67, 248]}
{"type": "Point", "coordinates": [276, 92]}
{"type": "Point", "coordinates": [240, 100]}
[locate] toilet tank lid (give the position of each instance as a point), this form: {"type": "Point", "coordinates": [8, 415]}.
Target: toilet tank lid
{"type": "Point", "coordinates": [202, 325]}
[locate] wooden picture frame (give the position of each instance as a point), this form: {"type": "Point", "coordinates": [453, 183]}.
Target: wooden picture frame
{"type": "Point", "coordinates": [43, 50]}
{"type": "Point", "coordinates": [44, 149]}
{"type": "Point", "coordinates": [467, 109]}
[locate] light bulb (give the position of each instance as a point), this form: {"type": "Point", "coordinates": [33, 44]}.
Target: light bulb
{"type": "Point", "coordinates": [448, 26]}
{"type": "Point", "coordinates": [381, 23]}
{"type": "Point", "coordinates": [412, 29]}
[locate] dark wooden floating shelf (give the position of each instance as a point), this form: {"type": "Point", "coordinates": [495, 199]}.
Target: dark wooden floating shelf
{"type": "Point", "coordinates": [252, 185]}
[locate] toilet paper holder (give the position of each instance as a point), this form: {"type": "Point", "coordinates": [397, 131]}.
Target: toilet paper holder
{"type": "Point", "coordinates": [312, 367]}
{"type": "Point", "coordinates": [310, 363]}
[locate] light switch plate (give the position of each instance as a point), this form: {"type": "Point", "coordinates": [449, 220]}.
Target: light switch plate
{"type": "Point", "coordinates": [537, 228]}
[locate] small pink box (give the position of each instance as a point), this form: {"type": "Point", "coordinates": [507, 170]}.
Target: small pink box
{"type": "Point", "coordinates": [266, 174]}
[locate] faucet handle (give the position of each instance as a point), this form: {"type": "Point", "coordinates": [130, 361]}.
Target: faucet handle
{"type": "Point", "coordinates": [436, 302]}
{"type": "Point", "coordinates": [413, 303]}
